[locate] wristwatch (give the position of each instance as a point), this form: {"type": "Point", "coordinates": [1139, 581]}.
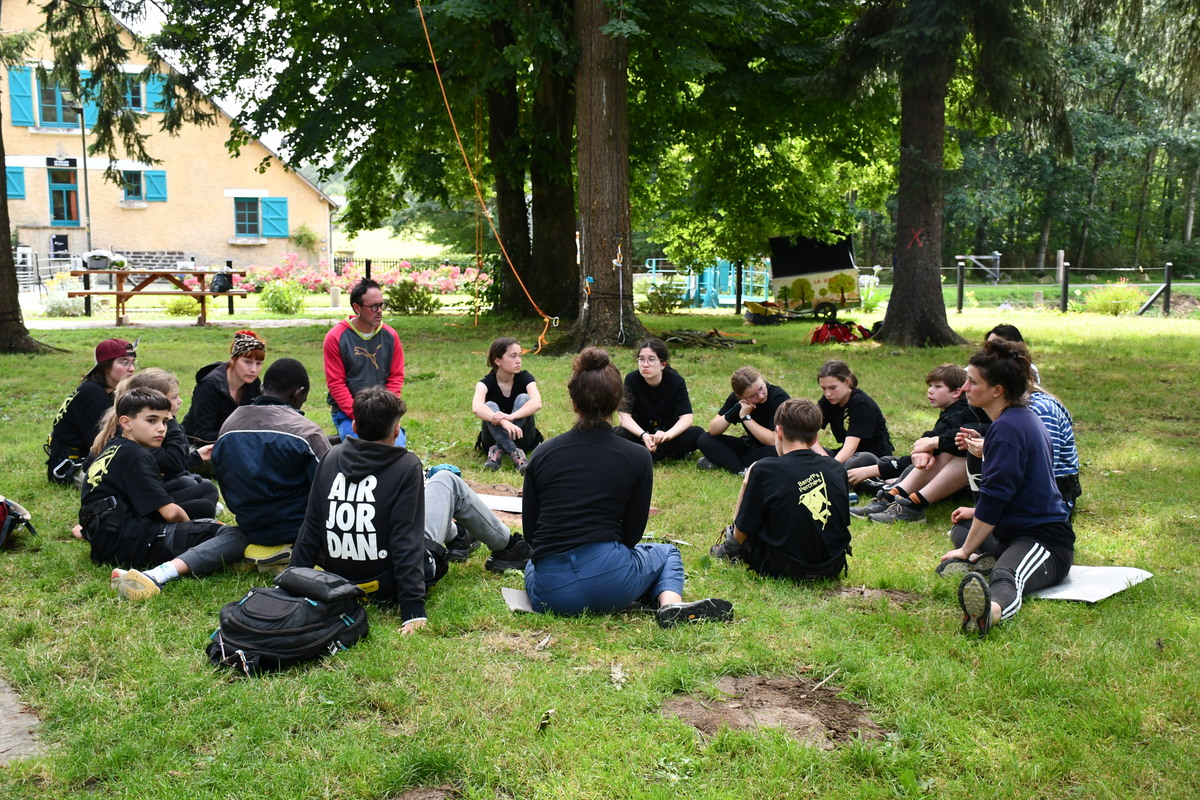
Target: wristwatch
{"type": "Point", "coordinates": [746, 418]}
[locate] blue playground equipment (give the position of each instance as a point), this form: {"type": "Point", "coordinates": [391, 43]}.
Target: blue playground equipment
{"type": "Point", "coordinates": [714, 286]}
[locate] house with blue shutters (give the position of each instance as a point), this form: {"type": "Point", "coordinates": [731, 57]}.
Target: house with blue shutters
{"type": "Point", "coordinates": [198, 202]}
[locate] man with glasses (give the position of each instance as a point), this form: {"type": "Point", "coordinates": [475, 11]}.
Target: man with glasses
{"type": "Point", "coordinates": [362, 351]}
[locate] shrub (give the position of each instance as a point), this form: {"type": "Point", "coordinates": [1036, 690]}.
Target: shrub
{"type": "Point", "coordinates": [406, 296]}
{"type": "Point", "coordinates": [57, 303]}
{"type": "Point", "coordinates": [1115, 298]}
{"type": "Point", "coordinates": [181, 307]}
{"type": "Point", "coordinates": [282, 297]}
{"type": "Point", "coordinates": [664, 297]}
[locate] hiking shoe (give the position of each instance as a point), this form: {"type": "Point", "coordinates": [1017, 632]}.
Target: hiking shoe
{"type": "Point", "coordinates": [957, 567]}
{"type": "Point", "coordinates": [711, 610]}
{"type": "Point", "coordinates": [134, 585]}
{"type": "Point", "coordinates": [704, 463]}
{"type": "Point", "coordinates": [514, 556]}
{"type": "Point", "coordinates": [519, 460]}
{"type": "Point", "coordinates": [878, 504]}
{"type": "Point", "coordinates": [903, 510]}
{"type": "Point", "coordinates": [975, 599]}
{"type": "Point", "coordinates": [873, 486]}
{"type": "Point", "coordinates": [493, 457]}
{"type": "Point", "coordinates": [461, 546]}
{"type": "Point", "coordinates": [268, 558]}
{"type": "Point", "coordinates": [727, 547]}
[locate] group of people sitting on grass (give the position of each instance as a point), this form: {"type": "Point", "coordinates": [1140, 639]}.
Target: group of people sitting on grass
{"type": "Point", "coordinates": [363, 506]}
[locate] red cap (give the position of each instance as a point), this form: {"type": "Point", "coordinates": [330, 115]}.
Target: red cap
{"type": "Point", "coordinates": [111, 349]}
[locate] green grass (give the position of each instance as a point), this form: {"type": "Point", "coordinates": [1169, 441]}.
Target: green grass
{"type": "Point", "coordinates": [1068, 700]}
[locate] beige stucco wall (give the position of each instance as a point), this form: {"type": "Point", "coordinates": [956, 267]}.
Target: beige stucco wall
{"type": "Point", "coordinates": [202, 180]}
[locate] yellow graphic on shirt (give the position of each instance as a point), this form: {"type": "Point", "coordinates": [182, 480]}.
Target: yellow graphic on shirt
{"type": "Point", "coordinates": [814, 495]}
{"type": "Point", "coordinates": [62, 410]}
{"type": "Point", "coordinates": [99, 467]}
{"type": "Point", "coordinates": [367, 354]}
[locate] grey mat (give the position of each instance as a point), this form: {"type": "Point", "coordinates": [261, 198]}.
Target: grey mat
{"type": "Point", "coordinates": [1093, 584]}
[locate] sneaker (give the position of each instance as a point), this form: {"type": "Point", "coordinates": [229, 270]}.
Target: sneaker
{"type": "Point", "coordinates": [710, 610]}
{"type": "Point", "coordinates": [958, 567]}
{"type": "Point", "coordinates": [903, 510]}
{"type": "Point", "coordinates": [727, 547]}
{"type": "Point", "coordinates": [268, 558]}
{"type": "Point", "coordinates": [519, 460]}
{"type": "Point", "coordinates": [461, 546]}
{"type": "Point", "coordinates": [975, 599]}
{"type": "Point", "coordinates": [704, 463]}
{"type": "Point", "coordinates": [134, 585]}
{"type": "Point", "coordinates": [878, 504]}
{"type": "Point", "coordinates": [514, 556]}
{"type": "Point", "coordinates": [493, 457]}
{"type": "Point", "coordinates": [873, 486]}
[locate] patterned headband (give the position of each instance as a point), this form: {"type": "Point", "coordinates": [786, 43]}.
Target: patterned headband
{"type": "Point", "coordinates": [244, 342]}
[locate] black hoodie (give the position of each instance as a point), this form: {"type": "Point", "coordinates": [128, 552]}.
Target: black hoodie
{"type": "Point", "coordinates": [366, 522]}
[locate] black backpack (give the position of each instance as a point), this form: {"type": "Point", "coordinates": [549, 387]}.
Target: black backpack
{"type": "Point", "coordinates": [12, 516]}
{"type": "Point", "coordinates": [307, 615]}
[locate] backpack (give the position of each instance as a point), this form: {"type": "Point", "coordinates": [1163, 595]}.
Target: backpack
{"type": "Point", "coordinates": [12, 516]}
{"type": "Point", "coordinates": [308, 614]}
{"type": "Point", "coordinates": [834, 331]}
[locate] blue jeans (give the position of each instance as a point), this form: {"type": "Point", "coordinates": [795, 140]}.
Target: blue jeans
{"type": "Point", "coordinates": [345, 428]}
{"type": "Point", "coordinates": [603, 576]}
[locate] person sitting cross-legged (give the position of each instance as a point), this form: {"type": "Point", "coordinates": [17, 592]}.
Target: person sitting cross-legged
{"type": "Point", "coordinates": [793, 511]}
{"type": "Point", "coordinates": [371, 519]}
{"type": "Point", "coordinates": [265, 459]}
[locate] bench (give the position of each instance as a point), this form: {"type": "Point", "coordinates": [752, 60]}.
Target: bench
{"type": "Point", "coordinates": [148, 278]}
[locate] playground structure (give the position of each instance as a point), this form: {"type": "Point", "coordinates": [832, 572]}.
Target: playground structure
{"type": "Point", "coordinates": [714, 286]}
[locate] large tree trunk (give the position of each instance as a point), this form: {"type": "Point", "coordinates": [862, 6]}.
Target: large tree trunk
{"type": "Point", "coordinates": [1189, 216]}
{"type": "Point", "coordinates": [601, 121]}
{"type": "Point", "coordinates": [555, 281]}
{"type": "Point", "coordinates": [14, 336]}
{"type": "Point", "coordinates": [916, 313]}
{"type": "Point", "coordinates": [509, 160]}
{"type": "Point", "coordinates": [1143, 200]}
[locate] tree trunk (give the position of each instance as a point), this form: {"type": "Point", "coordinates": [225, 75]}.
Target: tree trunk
{"type": "Point", "coordinates": [1190, 216]}
{"type": "Point", "coordinates": [916, 313]}
{"type": "Point", "coordinates": [601, 82]}
{"type": "Point", "coordinates": [1087, 212]}
{"type": "Point", "coordinates": [1039, 260]}
{"type": "Point", "coordinates": [14, 336]}
{"type": "Point", "coordinates": [555, 277]}
{"type": "Point", "coordinates": [1143, 200]}
{"type": "Point", "coordinates": [509, 160]}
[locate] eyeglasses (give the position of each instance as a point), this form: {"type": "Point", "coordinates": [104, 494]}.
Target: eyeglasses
{"type": "Point", "coordinates": [647, 359]}
{"type": "Point", "coordinates": [377, 307]}
{"type": "Point", "coordinates": [126, 362]}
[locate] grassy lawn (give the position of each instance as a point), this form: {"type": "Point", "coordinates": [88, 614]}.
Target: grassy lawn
{"type": "Point", "coordinates": [1069, 700]}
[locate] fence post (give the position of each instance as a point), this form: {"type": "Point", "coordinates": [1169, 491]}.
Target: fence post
{"type": "Point", "coordinates": [1064, 282]}
{"type": "Point", "coordinates": [962, 271]}
{"type": "Point", "coordinates": [367, 273]}
{"type": "Point", "coordinates": [87, 298]}
{"type": "Point", "coordinates": [737, 307]}
{"type": "Point", "coordinates": [996, 267]}
{"type": "Point", "coordinates": [1167, 289]}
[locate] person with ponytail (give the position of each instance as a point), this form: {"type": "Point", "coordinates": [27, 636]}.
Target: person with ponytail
{"type": "Point", "coordinates": [586, 503]}
{"type": "Point", "coordinates": [223, 386]}
{"type": "Point", "coordinates": [1020, 518]}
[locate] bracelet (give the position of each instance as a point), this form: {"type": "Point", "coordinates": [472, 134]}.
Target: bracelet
{"type": "Point", "coordinates": [642, 434]}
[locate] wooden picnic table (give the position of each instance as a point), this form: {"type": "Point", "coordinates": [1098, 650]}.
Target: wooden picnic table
{"type": "Point", "coordinates": [127, 283]}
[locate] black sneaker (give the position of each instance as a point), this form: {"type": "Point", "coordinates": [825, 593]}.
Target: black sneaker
{"type": "Point", "coordinates": [514, 556]}
{"type": "Point", "coordinates": [878, 504]}
{"type": "Point", "coordinates": [460, 547]}
{"type": "Point", "coordinates": [903, 510]}
{"type": "Point", "coordinates": [872, 486]}
{"type": "Point", "coordinates": [704, 463]}
{"type": "Point", "coordinates": [975, 599]}
{"type": "Point", "coordinates": [711, 610]}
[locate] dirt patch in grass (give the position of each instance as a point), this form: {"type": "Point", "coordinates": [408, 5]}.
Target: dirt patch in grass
{"type": "Point", "coordinates": [424, 793]}
{"type": "Point", "coordinates": [897, 596]}
{"type": "Point", "coordinates": [18, 727]}
{"type": "Point", "coordinates": [534, 647]}
{"type": "Point", "coordinates": [811, 713]}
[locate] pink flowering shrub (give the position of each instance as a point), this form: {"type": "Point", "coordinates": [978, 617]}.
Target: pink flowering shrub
{"type": "Point", "coordinates": [444, 279]}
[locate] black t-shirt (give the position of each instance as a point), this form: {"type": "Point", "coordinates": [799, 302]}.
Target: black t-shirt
{"type": "Point", "coordinates": [78, 418]}
{"type": "Point", "coordinates": [795, 507]}
{"type": "Point", "coordinates": [860, 417]}
{"type": "Point", "coordinates": [763, 413]}
{"type": "Point", "coordinates": [520, 386]}
{"type": "Point", "coordinates": [212, 404]}
{"type": "Point", "coordinates": [125, 470]}
{"type": "Point", "coordinates": [656, 408]}
{"type": "Point", "coordinates": [583, 487]}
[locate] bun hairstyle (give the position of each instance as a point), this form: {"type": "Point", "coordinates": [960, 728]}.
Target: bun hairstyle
{"type": "Point", "coordinates": [742, 379]}
{"type": "Point", "coordinates": [595, 388]}
{"type": "Point", "coordinates": [1005, 364]}
{"type": "Point", "coordinates": [839, 370]}
{"type": "Point", "coordinates": [150, 378]}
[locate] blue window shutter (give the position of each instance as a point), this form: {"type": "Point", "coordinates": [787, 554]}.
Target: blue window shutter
{"type": "Point", "coordinates": [154, 94]}
{"type": "Point", "coordinates": [274, 217]}
{"type": "Point", "coordinates": [89, 102]}
{"type": "Point", "coordinates": [155, 185]}
{"type": "Point", "coordinates": [20, 95]}
{"type": "Point", "coordinates": [15, 181]}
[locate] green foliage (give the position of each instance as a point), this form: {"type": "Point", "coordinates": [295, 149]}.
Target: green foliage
{"type": "Point", "coordinates": [57, 303]}
{"type": "Point", "coordinates": [1115, 299]}
{"type": "Point", "coordinates": [662, 297]}
{"type": "Point", "coordinates": [282, 297]}
{"type": "Point", "coordinates": [407, 297]}
{"type": "Point", "coordinates": [181, 306]}
{"type": "Point", "coordinates": [305, 238]}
